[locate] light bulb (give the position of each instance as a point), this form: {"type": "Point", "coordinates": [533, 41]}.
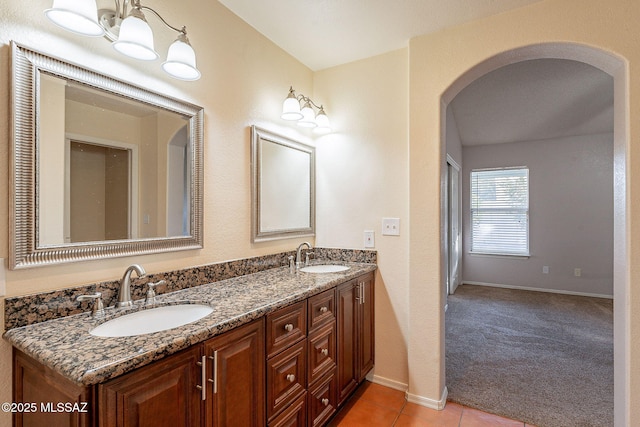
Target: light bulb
{"type": "Point", "coordinates": [324, 126]}
{"type": "Point", "coordinates": [291, 107]}
{"type": "Point", "coordinates": [308, 119]}
{"type": "Point", "coordinates": [181, 60]}
{"type": "Point", "coordinates": [136, 38]}
{"type": "Point", "coordinates": [77, 16]}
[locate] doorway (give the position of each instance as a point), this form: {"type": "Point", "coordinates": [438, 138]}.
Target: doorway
{"type": "Point", "coordinates": [615, 68]}
{"type": "Point", "coordinates": [454, 226]}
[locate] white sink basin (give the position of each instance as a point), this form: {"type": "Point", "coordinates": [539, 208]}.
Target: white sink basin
{"type": "Point", "coordinates": [324, 268]}
{"type": "Point", "coordinates": [152, 320]}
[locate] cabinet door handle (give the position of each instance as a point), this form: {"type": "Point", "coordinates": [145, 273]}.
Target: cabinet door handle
{"type": "Point", "coordinates": [215, 372]}
{"type": "Point", "coordinates": [358, 293]}
{"type": "Point", "coordinates": [325, 401]}
{"type": "Point", "coordinates": [203, 377]}
{"type": "Point", "coordinates": [363, 291]}
{"type": "Point", "coordinates": [325, 351]}
{"type": "Point", "coordinates": [288, 327]}
{"type": "Point", "coordinates": [291, 378]}
{"type": "Point", "coordinates": [323, 309]}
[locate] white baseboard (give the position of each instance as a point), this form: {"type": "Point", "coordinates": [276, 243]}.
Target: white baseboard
{"type": "Point", "coordinates": [396, 385]}
{"type": "Point", "coordinates": [526, 288]}
{"type": "Point", "coordinates": [429, 403]}
{"type": "Point", "coordinates": [413, 398]}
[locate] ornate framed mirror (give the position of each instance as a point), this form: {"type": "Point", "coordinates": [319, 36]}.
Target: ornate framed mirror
{"type": "Point", "coordinates": [283, 187]}
{"type": "Point", "coordinates": [100, 168]}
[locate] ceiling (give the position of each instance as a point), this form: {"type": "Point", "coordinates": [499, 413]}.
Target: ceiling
{"type": "Point", "coordinates": [325, 33]}
{"type": "Point", "coordinates": [535, 100]}
{"type": "Point", "coordinates": [526, 101]}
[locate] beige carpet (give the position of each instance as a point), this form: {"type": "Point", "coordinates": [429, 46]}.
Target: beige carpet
{"type": "Point", "coordinates": [541, 358]}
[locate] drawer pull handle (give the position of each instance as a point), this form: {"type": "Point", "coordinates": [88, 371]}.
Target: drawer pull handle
{"type": "Point", "coordinates": [215, 371]}
{"type": "Point", "coordinates": [325, 351]}
{"type": "Point", "coordinates": [288, 327]}
{"type": "Point", "coordinates": [203, 372]}
{"type": "Point", "coordinates": [325, 401]}
{"type": "Point", "coordinates": [323, 309]}
{"type": "Point", "coordinates": [291, 378]}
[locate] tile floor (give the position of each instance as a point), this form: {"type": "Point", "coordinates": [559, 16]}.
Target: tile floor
{"type": "Point", "coordinates": [374, 405]}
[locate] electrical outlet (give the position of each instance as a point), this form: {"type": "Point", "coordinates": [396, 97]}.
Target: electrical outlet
{"type": "Point", "coordinates": [545, 269]}
{"type": "Point", "coordinates": [369, 239]}
{"type": "Point", "coordinates": [390, 226]}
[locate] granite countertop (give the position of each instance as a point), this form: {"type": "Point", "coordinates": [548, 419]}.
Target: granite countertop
{"type": "Point", "coordinates": [66, 346]}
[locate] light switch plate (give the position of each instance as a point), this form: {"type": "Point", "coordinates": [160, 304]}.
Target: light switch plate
{"type": "Point", "coordinates": [390, 226]}
{"type": "Point", "coordinates": [369, 239]}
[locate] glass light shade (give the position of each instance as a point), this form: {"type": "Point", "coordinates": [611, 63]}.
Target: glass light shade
{"type": "Point", "coordinates": [77, 16]}
{"type": "Point", "coordinates": [181, 61]}
{"type": "Point", "coordinates": [291, 108]}
{"type": "Point", "coordinates": [308, 119]}
{"type": "Point", "coordinates": [135, 39]}
{"type": "Point", "coordinates": [324, 126]}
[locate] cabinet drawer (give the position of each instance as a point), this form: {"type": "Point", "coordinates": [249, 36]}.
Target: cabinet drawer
{"type": "Point", "coordinates": [323, 400]}
{"type": "Point", "coordinates": [285, 327]}
{"type": "Point", "coordinates": [286, 378]}
{"type": "Point", "coordinates": [322, 309]}
{"type": "Point", "coordinates": [294, 416]}
{"type": "Point", "coordinates": [322, 351]}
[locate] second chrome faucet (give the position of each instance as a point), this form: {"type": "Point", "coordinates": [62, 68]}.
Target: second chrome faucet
{"type": "Point", "coordinates": [299, 262]}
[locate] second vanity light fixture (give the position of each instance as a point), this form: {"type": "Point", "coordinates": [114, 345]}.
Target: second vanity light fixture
{"type": "Point", "coordinates": [128, 30]}
{"type": "Point", "coordinates": [306, 117]}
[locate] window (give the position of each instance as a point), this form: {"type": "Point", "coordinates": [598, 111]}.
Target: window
{"type": "Point", "coordinates": [500, 211]}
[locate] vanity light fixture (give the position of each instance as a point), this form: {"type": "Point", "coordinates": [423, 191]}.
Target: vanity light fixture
{"type": "Point", "coordinates": [128, 31]}
{"type": "Point", "coordinates": [305, 116]}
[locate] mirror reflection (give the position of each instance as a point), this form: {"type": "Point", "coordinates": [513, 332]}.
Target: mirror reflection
{"type": "Point", "coordinates": [99, 168]}
{"type": "Point", "coordinates": [283, 173]}
{"type": "Point", "coordinates": [120, 167]}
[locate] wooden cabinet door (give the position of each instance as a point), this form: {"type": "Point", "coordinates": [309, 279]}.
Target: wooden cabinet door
{"type": "Point", "coordinates": [322, 352]}
{"type": "Point", "coordinates": [347, 319]}
{"type": "Point", "coordinates": [366, 325]}
{"type": "Point", "coordinates": [161, 394]}
{"type": "Point", "coordinates": [286, 326]}
{"type": "Point", "coordinates": [286, 378]}
{"type": "Point", "coordinates": [322, 401]}
{"type": "Point", "coordinates": [321, 309]}
{"type": "Point", "coordinates": [294, 416]}
{"type": "Point", "coordinates": [236, 377]}
{"type": "Point", "coordinates": [39, 389]}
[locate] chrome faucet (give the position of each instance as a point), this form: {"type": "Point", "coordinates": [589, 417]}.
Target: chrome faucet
{"type": "Point", "coordinates": [124, 298]}
{"type": "Point", "coordinates": [299, 262]}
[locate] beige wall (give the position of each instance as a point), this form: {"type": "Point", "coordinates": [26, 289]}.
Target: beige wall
{"type": "Point", "coordinates": [245, 79]}
{"type": "Point", "coordinates": [362, 176]}
{"type": "Point", "coordinates": [466, 52]}
{"type": "Point", "coordinates": [384, 159]}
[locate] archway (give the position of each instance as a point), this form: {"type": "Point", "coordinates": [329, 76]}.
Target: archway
{"type": "Point", "coordinates": [615, 67]}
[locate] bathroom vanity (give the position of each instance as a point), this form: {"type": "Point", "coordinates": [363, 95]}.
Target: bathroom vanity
{"type": "Point", "coordinates": [280, 348]}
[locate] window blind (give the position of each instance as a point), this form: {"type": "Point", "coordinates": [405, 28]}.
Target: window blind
{"type": "Point", "coordinates": [500, 211]}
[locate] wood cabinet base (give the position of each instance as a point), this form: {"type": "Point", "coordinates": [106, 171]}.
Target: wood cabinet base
{"type": "Point", "coordinates": [223, 381]}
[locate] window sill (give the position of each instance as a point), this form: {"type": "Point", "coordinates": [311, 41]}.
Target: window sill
{"type": "Point", "coordinates": [498, 255]}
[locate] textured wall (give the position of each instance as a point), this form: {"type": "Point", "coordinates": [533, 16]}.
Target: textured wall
{"type": "Point", "coordinates": [363, 177]}
{"type": "Point", "coordinates": [440, 65]}
{"type": "Point", "coordinates": [570, 215]}
{"type": "Point", "coordinates": [245, 77]}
